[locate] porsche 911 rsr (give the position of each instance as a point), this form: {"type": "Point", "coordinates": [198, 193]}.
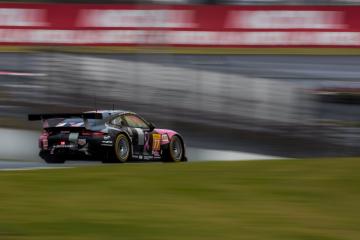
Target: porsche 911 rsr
{"type": "Point", "coordinates": [111, 135]}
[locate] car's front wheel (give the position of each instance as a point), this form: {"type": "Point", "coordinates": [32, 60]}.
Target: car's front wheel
{"type": "Point", "coordinates": [175, 151]}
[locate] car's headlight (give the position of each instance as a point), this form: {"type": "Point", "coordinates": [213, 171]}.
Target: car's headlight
{"type": "Point", "coordinates": [164, 138]}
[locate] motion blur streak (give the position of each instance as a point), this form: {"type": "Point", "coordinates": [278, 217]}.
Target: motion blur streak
{"type": "Point", "coordinates": [10, 149]}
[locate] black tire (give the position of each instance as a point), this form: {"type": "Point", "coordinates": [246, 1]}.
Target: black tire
{"type": "Point", "coordinates": [175, 151]}
{"type": "Point", "coordinates": [51, 158]}
{"type": "Point", "coordinates": [122, 149]}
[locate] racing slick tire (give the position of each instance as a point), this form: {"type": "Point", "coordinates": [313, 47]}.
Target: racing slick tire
{"type": "Point", "coordinates": [175, 151]}
{"type": "Point", "coordinates": [122, 149]}
{"type": "Point", "coordinates": [51, 158]}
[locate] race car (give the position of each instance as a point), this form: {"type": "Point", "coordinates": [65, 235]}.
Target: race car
{"type": "Point", "coordinates": [114, 136]}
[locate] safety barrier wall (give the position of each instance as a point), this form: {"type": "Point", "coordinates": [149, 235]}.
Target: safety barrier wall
{"type": "Point", "coordinates": [167, 86]}
{"type": "Point", "coordinates": [179, 25]}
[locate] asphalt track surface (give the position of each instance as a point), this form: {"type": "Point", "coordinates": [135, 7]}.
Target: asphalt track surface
{"type": "Point", "coordinates": [11, 165]}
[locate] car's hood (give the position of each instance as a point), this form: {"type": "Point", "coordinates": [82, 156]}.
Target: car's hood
{"type": "Point", "coordinates": [169, 132]}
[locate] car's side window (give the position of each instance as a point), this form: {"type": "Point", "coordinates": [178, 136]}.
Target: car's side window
{"type": "Point", "coordinates": [135, 121]}
{"type": "Point", "coordinates": [117, 121]}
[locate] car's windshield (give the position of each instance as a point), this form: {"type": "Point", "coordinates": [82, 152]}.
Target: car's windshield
{"type": "Point", "coordinates": [135, 121]}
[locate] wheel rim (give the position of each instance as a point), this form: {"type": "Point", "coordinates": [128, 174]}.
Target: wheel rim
{"type": "Point", "coordinates": [123, 148]}
{"type": "Point", "coordinates": [176, 149]}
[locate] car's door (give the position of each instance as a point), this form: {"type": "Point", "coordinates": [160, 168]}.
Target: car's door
{"type": "Point", "coordinates": [139, 131]}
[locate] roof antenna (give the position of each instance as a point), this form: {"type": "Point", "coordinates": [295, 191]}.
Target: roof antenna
{"type": "Point", "coordinates": [95, 102]}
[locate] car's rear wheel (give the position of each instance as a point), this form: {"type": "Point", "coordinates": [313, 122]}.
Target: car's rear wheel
{"type": "Point", "coordinates": [122, 148]}
{"type": "Point", "coordinates": [175, 151]}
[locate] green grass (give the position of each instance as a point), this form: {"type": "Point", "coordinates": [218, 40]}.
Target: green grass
{"type": "Point", "coordinates": [272, 200]}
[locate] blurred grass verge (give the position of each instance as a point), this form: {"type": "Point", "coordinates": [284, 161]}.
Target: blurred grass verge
{"type": "Point", "coordinates": [297, 199]}
{"type": "Point", "coordinates": [188, 50]}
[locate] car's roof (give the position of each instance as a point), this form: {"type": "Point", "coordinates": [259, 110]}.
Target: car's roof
{"type": "Point", "coordinates": [107, 113]}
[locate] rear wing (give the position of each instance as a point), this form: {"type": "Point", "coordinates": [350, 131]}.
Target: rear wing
{"type": "Point", "coordinates": [45, 116]}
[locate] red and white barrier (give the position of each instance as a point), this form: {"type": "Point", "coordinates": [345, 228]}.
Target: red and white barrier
{"type": "Point", "coordinates": [208, 26]}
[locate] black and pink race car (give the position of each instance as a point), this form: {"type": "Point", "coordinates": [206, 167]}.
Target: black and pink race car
{"type": "Point", "coordinates": [110, 135]}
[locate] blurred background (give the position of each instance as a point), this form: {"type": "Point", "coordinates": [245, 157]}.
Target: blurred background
{"type": "Point", "coordinates": [270, 77]}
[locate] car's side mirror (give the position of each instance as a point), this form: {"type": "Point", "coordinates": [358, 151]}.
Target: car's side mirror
{"type": "Point", "coordinates": [151, 126]}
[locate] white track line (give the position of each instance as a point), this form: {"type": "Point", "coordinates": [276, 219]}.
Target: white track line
{"type": "Point", "coordinates": [31, 168]}
{"type": "Point", "coordinates": [200, 154]}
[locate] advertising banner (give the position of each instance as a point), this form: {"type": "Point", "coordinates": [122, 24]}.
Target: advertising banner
{"type": "Point", "coordinates": [179, 25]}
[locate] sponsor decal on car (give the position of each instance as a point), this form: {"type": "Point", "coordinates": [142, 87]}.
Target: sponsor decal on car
{"type": "Point", "coordinates": [156, 142]}
{"type": "Point", "coordinates": [81, 141]}
{"type": "Point", "coordinates": [107, 143]}
{"type": "Point", "coordinates": [72, 146]}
